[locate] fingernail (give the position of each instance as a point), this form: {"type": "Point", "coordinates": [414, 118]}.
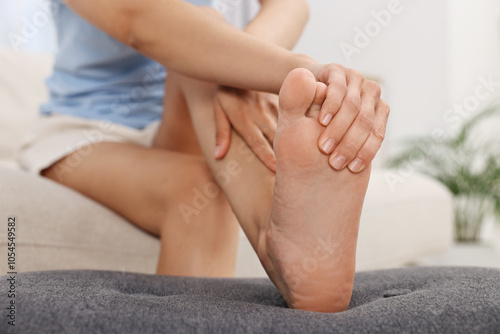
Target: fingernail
{"type": "Point", "coordinates": [326, 119]}
{"type": "Point", "coordinates": [356, 165]}
{"type": "Point", "coordinates": [338, 162]}
{"type": "Point", "coordinates": [328, 145]}
{"type": "Point", "coordinates": [217, 151]}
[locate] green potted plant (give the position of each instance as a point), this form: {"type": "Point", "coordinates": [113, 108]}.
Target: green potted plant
{"type": "Point", "coordinates": [468, 167]}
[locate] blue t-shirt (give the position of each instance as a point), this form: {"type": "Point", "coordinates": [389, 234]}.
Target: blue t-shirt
{"type": "Point", "coordinates": [97, 77]}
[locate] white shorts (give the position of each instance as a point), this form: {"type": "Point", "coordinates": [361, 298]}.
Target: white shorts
{"type": "Point", "coordinates": [55, 136]}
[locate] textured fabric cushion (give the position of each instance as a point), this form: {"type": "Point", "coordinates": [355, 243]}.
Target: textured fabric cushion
{"type": "Point", "coordinates": [413, 300]}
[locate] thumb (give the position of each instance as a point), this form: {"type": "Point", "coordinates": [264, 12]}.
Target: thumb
{"type": "Point", "coordinates": [222, 131]}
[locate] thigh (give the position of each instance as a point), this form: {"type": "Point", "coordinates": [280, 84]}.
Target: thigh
{"type": "Point", "coordinates": [141, 184]}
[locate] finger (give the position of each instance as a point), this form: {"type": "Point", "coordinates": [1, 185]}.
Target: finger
{"type": "Point", "coordinates": [273, 106]}
{"type": "Point", "coordinates": [343, 120]}
{"type": "Point", "coordinates": [222, 131]}
{"type": "Point", "coordinates": [267, 116]}
{"type": "Point", "coordinates": [357, 134]}
{"type": "Point", "coordinates": [258, 143]}
{"type": "Point", "coordinates": [273, 111]}
{"type": "Point", "coordinates": [371, 146]}
{"type": "Point", "coordinates": [268, 128]}
{"type": "Point", "coordinates": [336, 92]}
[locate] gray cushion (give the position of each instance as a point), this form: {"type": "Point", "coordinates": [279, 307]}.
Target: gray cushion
{"type": "Point", "coordinates": [412, 300]}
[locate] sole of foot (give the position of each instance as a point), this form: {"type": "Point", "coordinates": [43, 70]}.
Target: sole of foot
{"type": "Point", "coordinates": [310, 243]}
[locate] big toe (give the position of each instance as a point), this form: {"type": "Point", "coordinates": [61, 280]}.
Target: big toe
{"type": "Point", "coordinates": [297, 93]}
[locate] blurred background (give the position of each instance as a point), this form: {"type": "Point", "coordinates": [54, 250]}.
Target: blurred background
{"type": "Point", "coordinates": [429, 55]}
{"type": "Point", "coordinates": [438, 63]}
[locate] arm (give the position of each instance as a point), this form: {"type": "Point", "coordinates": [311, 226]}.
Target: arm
{"type": "Point", "coordinates": [280, 22]}
{"type": "Point", "coordinates": [176, 33]}
{"type": "Point", "coordinates": [184, 39]}
{"type": "Point", "coordinates": [253, 114]}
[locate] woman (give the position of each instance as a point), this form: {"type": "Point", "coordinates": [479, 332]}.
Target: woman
{"type": "Point", "coordinates": [219, 156]}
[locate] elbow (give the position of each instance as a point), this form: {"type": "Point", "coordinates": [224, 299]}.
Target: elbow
{"type": "Point", "coordinates": [142, 35]}
{"type": "Point", "coordinates": [131, 34]}
{"type": "Point", "coordinates": [134, 31]}
{"type": "Point", "coordinates": [141, 31]}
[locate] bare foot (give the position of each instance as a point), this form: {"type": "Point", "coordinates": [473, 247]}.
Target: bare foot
{"type": "Point", "coordinates": [311, 239]}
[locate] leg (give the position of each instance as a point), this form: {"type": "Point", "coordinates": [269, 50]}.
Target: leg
{"type": "Point", "coordinates": [147, 186]}
{"type": "Point", "coordinates": [151, 187]}
{"type": "Point", "coordinates": [303, 223]}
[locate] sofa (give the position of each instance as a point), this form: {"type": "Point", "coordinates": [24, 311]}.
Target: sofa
{"type": "Point", "coordinates": [59, 228]}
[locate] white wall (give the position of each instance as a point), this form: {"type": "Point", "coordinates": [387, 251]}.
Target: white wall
{"type": "Point", "coordinates": [409, 55]}
{"type": "Point", "coordinates": [474, 52]}
{"type": "Point", "coordinates": [428, 58]}
{"type": "Point", "coordinates": [26, 25]}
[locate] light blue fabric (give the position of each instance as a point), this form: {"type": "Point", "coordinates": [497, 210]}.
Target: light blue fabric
{"type": "Point", "coordinates": [97, 77]}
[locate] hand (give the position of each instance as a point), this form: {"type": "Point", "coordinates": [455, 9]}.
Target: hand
{"type": "Point", "coordinates": [253, 115]}
{"type": "Point", "coordinates": [354, 116]}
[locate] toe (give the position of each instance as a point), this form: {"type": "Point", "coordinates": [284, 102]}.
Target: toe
{"type": "Point", "coordinates": [297, 93]}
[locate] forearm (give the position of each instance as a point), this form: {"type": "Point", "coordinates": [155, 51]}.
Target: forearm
{"type": "Point", "coordinates": [184, 39]}
{"type": "Point", "coordinates": [280, 22]}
